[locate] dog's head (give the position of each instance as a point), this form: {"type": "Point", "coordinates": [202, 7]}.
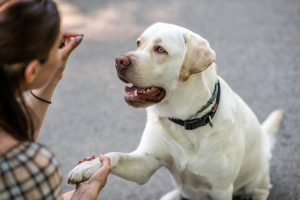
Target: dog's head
{"type": "Point", "coordinates": [166, 56]}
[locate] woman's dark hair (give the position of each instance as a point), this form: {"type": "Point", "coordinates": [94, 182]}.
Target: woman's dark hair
{"type": "Point", "coordinates": [28, 31]}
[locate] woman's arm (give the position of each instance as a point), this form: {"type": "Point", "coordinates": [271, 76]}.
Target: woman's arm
{"type": "Point", "coordinates": [91, 188]}
{"type": "Point", "coordinates": [39, 107]}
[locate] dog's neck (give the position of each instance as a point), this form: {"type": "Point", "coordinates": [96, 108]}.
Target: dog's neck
{"type": "Point", "coordinates": [189, 97]}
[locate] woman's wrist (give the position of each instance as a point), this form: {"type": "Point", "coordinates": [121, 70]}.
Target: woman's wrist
{"type": "Point", "coordinates": [87, 190]}
{"type": "Point", "coordinates": [94, 188]}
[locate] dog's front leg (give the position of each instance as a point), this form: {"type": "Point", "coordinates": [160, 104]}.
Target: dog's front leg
{"type": "Point", "coordinates": [136, 166]}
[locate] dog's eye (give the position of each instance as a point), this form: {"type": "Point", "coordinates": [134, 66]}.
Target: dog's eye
{"type": "Point", "coordinates": [160, 49]}
{"type": "Point", "coordinates": [138, 43]}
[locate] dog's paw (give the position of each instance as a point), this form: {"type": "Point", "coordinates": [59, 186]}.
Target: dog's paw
{"type": "Point", "coordinates": [83, 171]}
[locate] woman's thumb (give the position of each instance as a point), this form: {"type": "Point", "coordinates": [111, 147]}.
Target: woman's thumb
{"type": "Point", "coordinates": [105, 163]}
{"type": "Point", "coordinates": [105, 160]}
{"type": "Point", "coordinates": [71, 46]}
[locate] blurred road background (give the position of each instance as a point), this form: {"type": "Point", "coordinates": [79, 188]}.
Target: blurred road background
{"type": "Point", "coordinates": [258, 54]}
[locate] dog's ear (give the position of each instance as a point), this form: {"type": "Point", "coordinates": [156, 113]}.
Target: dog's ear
{"type": "Point", "coordinates": [197, 56]}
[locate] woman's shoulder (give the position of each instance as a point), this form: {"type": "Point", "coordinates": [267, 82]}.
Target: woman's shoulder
{"type": "Point", "coordinates": [32, 170]}
{"type": "Point", "coordinates": [31, 157]}
{"type": "Point", "coordinates": [31, 153]}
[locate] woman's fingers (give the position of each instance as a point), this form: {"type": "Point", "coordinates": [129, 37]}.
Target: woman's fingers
{"type": "Point", "coordinates": [70, 44]}
{"type": "Point", "coordinates": [64, 42]}
{"type": "Point", "coordinates": [67, 41]}
{"type": "Point", "coordinates": [103, 171]}
{"type": "Point", "coordinates": [104, 159]}
{"type": "Point", "coordinates": [68, 48]}
{"type": "Point", "coordinates": [106, 168]}
{"type": "Point", "coordinates": [66, 37]}
{"type": "Point", "coordinates": [99, 178]}
{"type": "Point", "coordinates": [71, 34]}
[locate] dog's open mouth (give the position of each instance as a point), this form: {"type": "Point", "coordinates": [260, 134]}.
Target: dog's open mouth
{"type": "Point", "coordinates": [143, 97]}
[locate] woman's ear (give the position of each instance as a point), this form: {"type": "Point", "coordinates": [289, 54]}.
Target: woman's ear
{"type": "Point", "coordinates": [31, 71]}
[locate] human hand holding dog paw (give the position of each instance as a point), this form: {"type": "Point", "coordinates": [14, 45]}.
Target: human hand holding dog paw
{"type": "Point", "coordinates": [86, 167]}
{"type": "Point", "coordinates": [96, 178]}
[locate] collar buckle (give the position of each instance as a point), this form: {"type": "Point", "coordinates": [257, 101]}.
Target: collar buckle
{"type": "Point", "coordinates": [194, 123]}
{"type": "Point", "coordinates": [189, 125]}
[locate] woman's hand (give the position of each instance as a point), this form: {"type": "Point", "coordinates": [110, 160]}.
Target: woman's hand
{"type": "Point", "coordinates": [40, 108]}
{"type": "Point", "coordinates": [91, 188]}
{"type": "Point", "coordinates": [70, 40]}
{"type": "Point", "coordinates": [99, 178]}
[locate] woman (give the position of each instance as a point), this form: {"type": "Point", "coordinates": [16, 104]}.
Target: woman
{"type": "Point", "coordinates": [33, 56]}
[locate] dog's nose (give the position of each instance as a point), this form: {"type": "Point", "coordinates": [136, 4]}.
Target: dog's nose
{"type": "Point", "coordinates": [122, 61]}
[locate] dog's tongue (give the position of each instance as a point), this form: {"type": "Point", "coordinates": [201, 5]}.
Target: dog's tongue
{"type": "Point", "coordinates": [130, 90]}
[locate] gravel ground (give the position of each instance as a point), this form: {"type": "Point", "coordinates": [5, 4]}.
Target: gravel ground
{"type": "Point", "coordinates": [258, 54]}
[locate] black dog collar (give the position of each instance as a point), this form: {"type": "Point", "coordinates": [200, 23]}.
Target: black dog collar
{"type": "Point", "coordinates": [196, 123]}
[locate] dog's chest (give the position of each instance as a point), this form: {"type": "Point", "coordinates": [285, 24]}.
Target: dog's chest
{"type": "Point", "coordinates": [191, 171]}
{"type": "Point", "coordinates": [191, 185]}
{"type": "Point", "coordinates": [192, 162]}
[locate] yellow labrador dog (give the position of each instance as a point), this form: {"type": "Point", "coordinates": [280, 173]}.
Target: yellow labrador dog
{"type": "Point", "coordinates": [198, 128]}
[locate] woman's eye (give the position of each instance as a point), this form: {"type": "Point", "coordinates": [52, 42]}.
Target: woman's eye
{"type": "Point", "coordinates": [160, 49]}
{"type": "Point", "coordinates": [138, 44]}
